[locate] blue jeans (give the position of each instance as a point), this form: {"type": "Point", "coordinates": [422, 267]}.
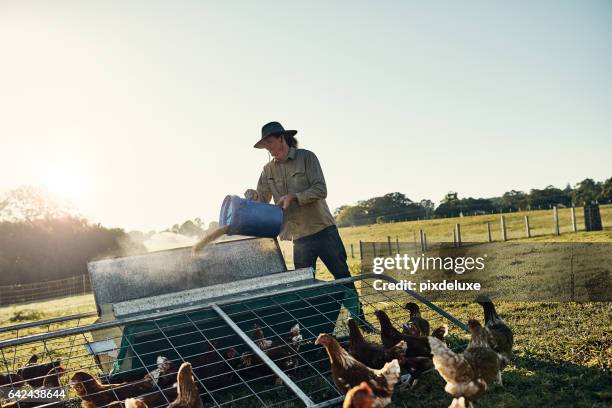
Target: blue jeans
{"type": "Point", "coordinates": [327, 245]}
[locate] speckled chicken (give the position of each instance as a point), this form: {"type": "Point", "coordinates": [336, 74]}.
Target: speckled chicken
{"type": "Point", "coordinates": [470, 373]}
{"type": "Point", "coordinates": [165, 373]}
{"type": "Point", "coordinates": [284, 354]}
{"type": "Point", "coordinates": [259, 338]}
{"type": "Point", "coordinates": [499, 334]}
{"type": "Point", "coordinates": [348, 372]}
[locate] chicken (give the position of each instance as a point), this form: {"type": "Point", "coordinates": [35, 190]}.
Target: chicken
{"type": "Point", "coordinates": [417, 320]}
{"type": "Point", "coordinates": [284, 355]}
{"type": "Point", "coordinates": [260, 338]}
{"type": "Point", "coordinates": [499, 335]}
{"type": "Point", "coordinates": [10, 381]}
{"type": "Point", "coordinates": [347, 372]}
{"type": "Point", "coordinates": [188, 395]}
{"type": "Point", "coordinates": [417, 346]}
{"type": "Point", "coordinates": [371, 354]}
{"type": "Point", "coordinates": [440, 333]}
{"type": "Point", "coordinates": [95, 394]}
{"type": "Point", "coordinates": [52, 378]}
{"type": "Point", "coordinates": [135, 403]}
{"type": "Point", "coordinates": [360, 396]}
{"type": "Point", "coordinates": [50, 383]}
{"type": "Point", "coordinates": [165, 373]}
{"type": "Point", "coordinates": [410, 329]}
{"type": "Point", "coordinates": [34, 373]}
{"type": "Point", "coordinates": [468, 374]}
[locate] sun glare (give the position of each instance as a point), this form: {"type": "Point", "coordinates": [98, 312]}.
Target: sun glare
{"type": "Point", "coordinates": [64, 182]}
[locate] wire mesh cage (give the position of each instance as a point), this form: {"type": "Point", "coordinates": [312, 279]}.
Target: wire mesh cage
{"type": "Point", "coordinates": [245, 351]}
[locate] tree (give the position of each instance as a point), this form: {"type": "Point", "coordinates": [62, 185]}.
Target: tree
{"type": "Point", "coordinates": [605, 195]}
{"type": "Point", "coordinates": [349, 216]}
{"type": "Point", "coordinates": [513, 200]}
{"type": "Point", "coordinates": [547, 198]}
{"type": "Point", "coordinates": [428, 206]}
{"type": "Point", "coordinates": [586, 191]}
{"type": "Point", "coordinates": [33, 203]}
{"type": "Point", "coordinates": [189, 228]}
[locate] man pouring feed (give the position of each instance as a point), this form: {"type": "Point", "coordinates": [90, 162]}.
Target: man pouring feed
{"type": "Point", "coordinates": [294, 179]}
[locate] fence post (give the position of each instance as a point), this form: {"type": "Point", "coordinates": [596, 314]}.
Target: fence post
{"type": "Point", "coordinates": [503, 228]}
{"type": "Point", "coordinates": [573, 218]}
{"type": "Point", "coordinates": [489, 231]}
{"type": "Point", "coordinates": [374, 249]}
{"type": "Point", "coordinates": [360, 250]}
{"type": "Point", "coordinates": [352, 252]}
{"type": "Point", "coordinates": [84, 284]}
{"type": "Point", "coordinates": [422, 242]}
{"type": "Point", "coordinates": [454, 237]}
{"type": "Point", "coordinates": [389, 244]}
{"type": "Point", "coordinates": [458, 228]}
{"type": "Point", "coordinates": [397, 243]}
{"type": "Point", "coordinates": [425, 240]}
{"type": "Point", "coordinates": [527, 230]}
{"type": "Point", "coordinates": [556, 220]}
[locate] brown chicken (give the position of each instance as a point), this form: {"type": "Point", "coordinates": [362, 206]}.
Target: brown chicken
{"type": "Point", "coordinates": [468, 374]}
{"type": "Point", "coordinates": [34, 373]}
{"type": "Point", "coordinates": [135, 403]}
{"type": "Point", "coordinates": [348, 372]}
{"type": "Point", "coordinates": [95, 394]}
{"type": "Point", "coordinates": [371, 354]}
{"type": "Point", "coordinates": [417, 320]}
{"type": "Point", "coordinates": [499, 335]}
{"type": "Point", "coordinates": [417, 346]}
{"type": "Point", "coordinates": [360, 396]}
{"type": "Point", "coordinates": [188, 394]}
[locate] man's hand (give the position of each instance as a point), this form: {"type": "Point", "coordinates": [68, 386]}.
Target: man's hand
{"type": "Point", "coordinates": [251, 195]}
{"type": "Point", "coordinates": [286, 200]}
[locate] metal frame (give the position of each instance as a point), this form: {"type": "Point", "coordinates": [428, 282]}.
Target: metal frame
{"type": "Point", "coordinates": [231, 322]}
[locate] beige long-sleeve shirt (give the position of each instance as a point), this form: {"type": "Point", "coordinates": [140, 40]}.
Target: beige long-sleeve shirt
{"type": "Point", "coordinates": [302, 175]}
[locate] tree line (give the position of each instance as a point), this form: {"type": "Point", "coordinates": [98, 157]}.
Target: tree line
{"type": "Point", "coordinates": [42, 241]}
{"type": "Point", "coordinates": [395, 207]}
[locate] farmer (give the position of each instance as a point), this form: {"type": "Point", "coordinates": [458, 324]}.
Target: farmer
{"type": "Point", "coordinates": [294, 179]}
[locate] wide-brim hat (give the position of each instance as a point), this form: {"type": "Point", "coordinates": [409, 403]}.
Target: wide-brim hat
{"type": "Point", "coordinates": [272, 129]}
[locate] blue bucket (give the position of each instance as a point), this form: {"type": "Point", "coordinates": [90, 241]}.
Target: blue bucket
{"type": "Point", "coordinates": [251, 218]}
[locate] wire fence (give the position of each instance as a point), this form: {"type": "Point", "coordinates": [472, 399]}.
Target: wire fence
{"type": "Point", "coordinates": [31, 292]}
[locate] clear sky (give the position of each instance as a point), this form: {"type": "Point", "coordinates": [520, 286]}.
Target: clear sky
{"type": "Point", "coordinates": [144, 113]}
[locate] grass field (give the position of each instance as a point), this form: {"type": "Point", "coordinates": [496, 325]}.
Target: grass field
{"type": "Point", "coordinates": [563, 350]}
